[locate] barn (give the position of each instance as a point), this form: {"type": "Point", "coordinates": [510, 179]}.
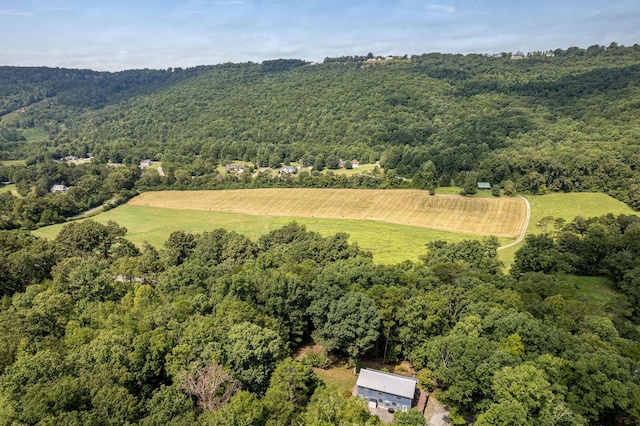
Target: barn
{"type": "Point", "coordinates": [386, 390]}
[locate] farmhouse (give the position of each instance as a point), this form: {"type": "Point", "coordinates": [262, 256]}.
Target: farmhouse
{"type": "Point", "coordinates": [287, 170]}
{"type": "Point", "coordinates": [355, 164]}
{"type": "Point", "coordinates": [59, 189]}
{"type": "Point", "coordinates": [386, 390]}
{"type": "Point", "coordinates": [236, 168]}
{"type": "Point", "coordinates": [484, 185]}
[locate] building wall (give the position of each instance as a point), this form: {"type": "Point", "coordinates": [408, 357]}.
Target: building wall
{"type": "Point", "coordinates": [385, 399]}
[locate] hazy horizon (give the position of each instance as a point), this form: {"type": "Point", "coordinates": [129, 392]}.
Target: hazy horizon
{"type": "Point", "coordinates": [133, 34]}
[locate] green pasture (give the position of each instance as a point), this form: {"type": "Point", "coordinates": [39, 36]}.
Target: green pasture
{"type": "Point", "coordinates": [12, 162]}
{"type": "Point", "coordinates": [389, 243]}
{"type": "Point", "coordinates": [7, 188]}
{"type": "Point", "coordinates": [566, 206]}
{"type": "Point", "coordinates": [597, 292]}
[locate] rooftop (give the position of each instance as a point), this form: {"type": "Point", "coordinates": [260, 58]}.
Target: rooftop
{"type": "Point", "coordinates": [387, 382]}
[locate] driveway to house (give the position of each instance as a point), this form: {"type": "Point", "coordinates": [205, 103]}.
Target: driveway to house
{"type": "Point", "coordinates": [524, 228]}
{"type": "Point", "coordinates": [439, 413]}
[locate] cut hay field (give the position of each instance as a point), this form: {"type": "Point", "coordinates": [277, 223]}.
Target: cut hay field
{"type": "Point", "coordinates": [503, 217]}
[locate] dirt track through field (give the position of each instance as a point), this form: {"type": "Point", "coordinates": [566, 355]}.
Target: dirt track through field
{"type": "Point", "coordinates": [502, 217]}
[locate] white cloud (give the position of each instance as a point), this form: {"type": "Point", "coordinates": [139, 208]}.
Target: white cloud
{"type": "Point", "coordinates": [13, 12]}
{"type": "Point", "coordinates": [441, 8]}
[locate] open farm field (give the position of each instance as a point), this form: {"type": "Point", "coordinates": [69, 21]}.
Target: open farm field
{"type": "Point", "coordinates": [390, 243]}
{"type": "Point", "coordinates": [503, 217]}
{"type": "Point", "coordinates": [566, 206]}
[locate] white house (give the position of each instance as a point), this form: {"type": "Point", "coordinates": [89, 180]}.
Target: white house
{"type": "Point", "coordinates": [62, 189]}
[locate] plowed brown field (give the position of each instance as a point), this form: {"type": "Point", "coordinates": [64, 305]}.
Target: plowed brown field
{"type": "Point", "coordinates": [502, 217]}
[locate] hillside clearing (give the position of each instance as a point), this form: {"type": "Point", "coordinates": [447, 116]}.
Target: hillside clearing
{"type": "Point", "coordinates": [502, 217]}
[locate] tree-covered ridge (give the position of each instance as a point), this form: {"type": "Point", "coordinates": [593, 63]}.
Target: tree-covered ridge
{"type": "Point", "coordinates": [562, 123]}
{"type": "Point", "coordinates": [201, 331]}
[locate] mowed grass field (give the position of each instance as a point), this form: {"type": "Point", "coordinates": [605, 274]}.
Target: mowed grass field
{"type": "Point", "coordinates": [390, 243]}
{"type": "Point", "coordinates": [566, 206]}
{"type": "Point", "coordinates": [152, 216]}
{"type": "Point", "coordinates": [502, 217]}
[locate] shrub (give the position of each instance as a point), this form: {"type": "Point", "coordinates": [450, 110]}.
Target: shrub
{"type": "Point", "coordinates": [318, 359]}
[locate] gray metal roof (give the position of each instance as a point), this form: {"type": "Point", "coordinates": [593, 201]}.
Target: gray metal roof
{"type": "Point", "coordinates": [387, 382]}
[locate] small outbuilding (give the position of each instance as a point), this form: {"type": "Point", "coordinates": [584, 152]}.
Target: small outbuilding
{"type": "Point", "coordinates": [386, 390]}
{"type": "Point", "coordinates": [484, 185]}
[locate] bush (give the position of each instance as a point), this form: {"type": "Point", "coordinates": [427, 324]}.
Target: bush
{"type": "Point", "coordinates": [318, 359]}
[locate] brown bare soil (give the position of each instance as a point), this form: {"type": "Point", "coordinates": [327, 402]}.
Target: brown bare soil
{"type": "Point", "coordinates": [502, 217]}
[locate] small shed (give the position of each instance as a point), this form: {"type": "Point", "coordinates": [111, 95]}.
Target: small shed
{"type": "Point", "coordinates": [386, 390]}
{"type": "Point", "coordinates": [484, 185]}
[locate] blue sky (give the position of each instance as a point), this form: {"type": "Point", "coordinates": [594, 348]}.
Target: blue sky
{"type": "Point", "coordinates": [111, 35]}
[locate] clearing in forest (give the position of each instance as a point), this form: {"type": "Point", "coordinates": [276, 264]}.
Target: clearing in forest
{"type": "Point", "coordinates": [502, 217]}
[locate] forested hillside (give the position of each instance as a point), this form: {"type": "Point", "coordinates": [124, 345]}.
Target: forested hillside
{"type": "Point", "coordinates": [202, 330]}
{"type": "Point", "coordinates": [566, 122]}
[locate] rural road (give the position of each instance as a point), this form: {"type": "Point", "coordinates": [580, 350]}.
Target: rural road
{"type": "Point", "coordinates": [88, 212]}
{"type": "Point", "coordinates": [524, 228]}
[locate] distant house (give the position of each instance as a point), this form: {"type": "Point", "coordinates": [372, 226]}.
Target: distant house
{"type": "Point", "coordinates": [239, 168]}
{"type": "Point", "coordinates": [289, 170]}
{"type": "Point", "coordinates": [484, 185]}
{"type": "Point", "coordinates": [386, 390]}
{"type": "Point", "coordinates": [355, 164]}
{"type": "Point", "coordinates": [342, 164]}
{"type": "Point", "coordinates": [145, 163]}
{"type": "Point", "coordinates": [517, 55]}
{"type": "Point", "coordinates": [59, 189]}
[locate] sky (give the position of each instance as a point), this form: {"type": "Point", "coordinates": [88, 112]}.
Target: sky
{"type": "Point", "coordinates": [113, 35]}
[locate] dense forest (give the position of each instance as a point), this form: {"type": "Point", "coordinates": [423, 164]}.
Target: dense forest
{"type": "Point", "coordinates": [97, 331]}
{"type": "Point", "coordinates": [566, 121]}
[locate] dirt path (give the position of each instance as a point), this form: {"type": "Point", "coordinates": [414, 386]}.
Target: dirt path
{"type": "Point", "coordinates": [436, 413]}
{"type": "Point", "coordinates": [524, 228]}
{"type": "Point", "coordinates": [87, 213]}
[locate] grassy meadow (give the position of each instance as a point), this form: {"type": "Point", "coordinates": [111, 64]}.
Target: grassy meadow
{"type": "Point", "coordinates": [566, 206]}
{"type": "Point", "coordinates": [7, 188]}
{"type": "Point", "coordinates": [154, 215]}
{"type": "Point", "coordinates": [12, 162]}
{"type": "Point", "coordinates": [390, 243]}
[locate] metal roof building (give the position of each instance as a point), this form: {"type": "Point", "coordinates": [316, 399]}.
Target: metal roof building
{"type": "Point", "coordinates": [386, 389]}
